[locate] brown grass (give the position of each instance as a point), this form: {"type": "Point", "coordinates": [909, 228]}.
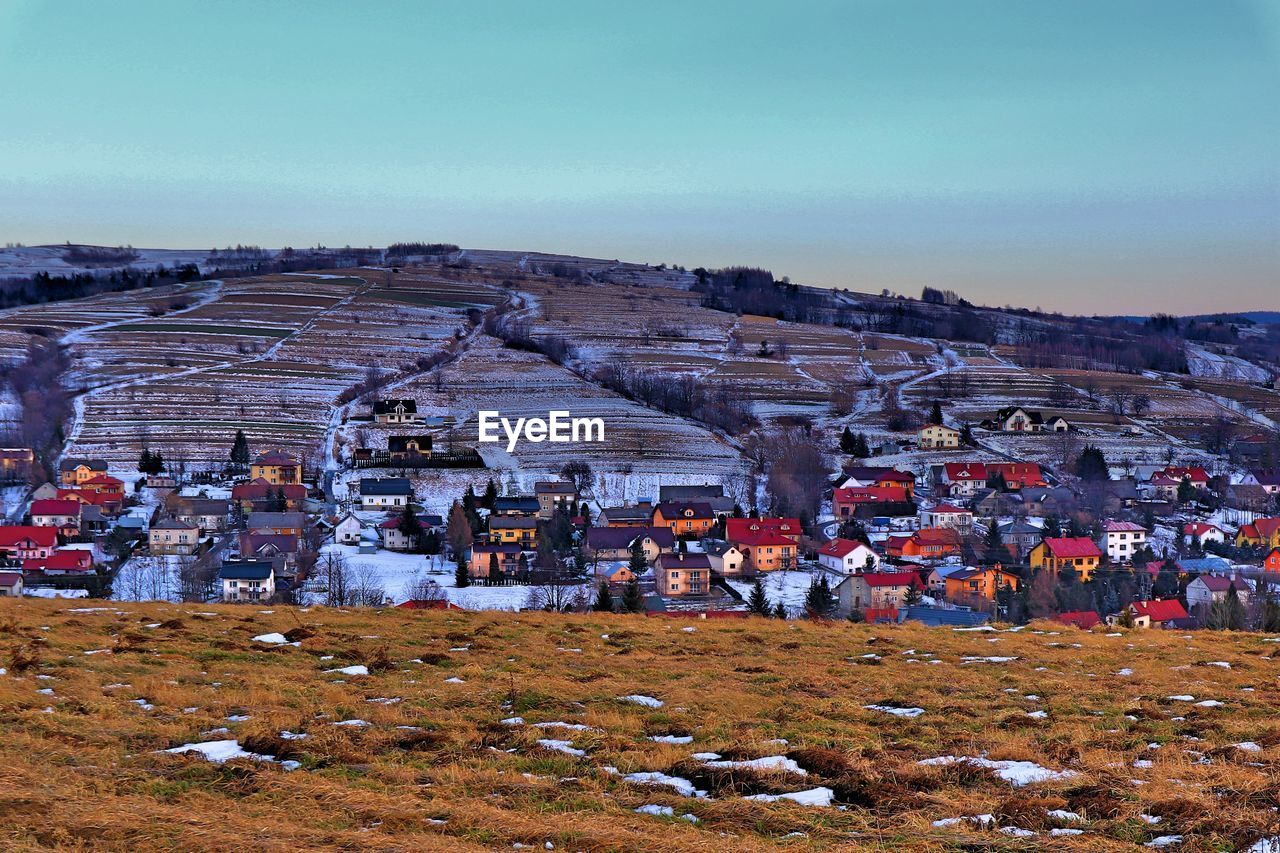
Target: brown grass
{"type": "Point", "coordinates": [89, 773]}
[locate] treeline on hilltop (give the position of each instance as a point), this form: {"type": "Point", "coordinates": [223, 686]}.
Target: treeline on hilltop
{"type": "Point", "coordinates": [1040, 340]}
{"type": "Point", "coordinates": [400, 250]}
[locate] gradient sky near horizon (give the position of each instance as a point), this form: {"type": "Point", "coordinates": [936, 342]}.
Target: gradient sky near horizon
{"type": "Point", "coordinates": [1092, 156]}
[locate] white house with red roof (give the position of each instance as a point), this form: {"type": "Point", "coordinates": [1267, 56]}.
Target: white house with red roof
{"type": "Point", "coordinates": [62, 515]}
{"type": "Point", "coordinates": [847, 556]}
{"type": "Point", "coordinates": [964, 479]}
{"type": "Point", "coordinates": [1121, 538]}
{"type": "Point", "coordinates": [1203, 531]}
{"type": "Point", "coordinates": [948, 515]}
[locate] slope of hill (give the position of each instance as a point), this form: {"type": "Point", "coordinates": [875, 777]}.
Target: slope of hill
{"type": "Point", "coordinates": [162, 726]}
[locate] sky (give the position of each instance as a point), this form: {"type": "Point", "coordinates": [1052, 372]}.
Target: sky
{"type": "Point", "coordinates": [1092, 156]}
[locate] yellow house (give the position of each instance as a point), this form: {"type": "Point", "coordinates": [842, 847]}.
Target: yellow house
{"type": "Point", "coordinates": [1262, 533]}
{"type": "Point", "coordinates": [510, 530]}
{"type": "Point", "coordinates": [937, 435]}
{"type": "Point", "coordinates": [277, 468]}
{"type": "Point", "coordinates": [1056, 553]}
{"type": "Point", "coordinates": [73, 472]}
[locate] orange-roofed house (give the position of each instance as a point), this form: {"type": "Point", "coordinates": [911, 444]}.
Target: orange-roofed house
{"type": "Point", "coordinates": [687, 519]}
{"type": "Point", "coordinates": [1059, 552]}
{"type": "Point", "coordinates": [930, 543]}
{"type": "Point", "coordinates": [26, 541]}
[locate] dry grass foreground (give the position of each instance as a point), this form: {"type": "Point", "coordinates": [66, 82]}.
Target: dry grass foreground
{"type": "Point", "coordinates": [94, 692]}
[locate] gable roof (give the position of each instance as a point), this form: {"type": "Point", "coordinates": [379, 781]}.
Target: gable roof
{"type": "Point", "coordinates": [957, 471]}
{"type": "Point", "coordinates": [258, 520]}
{"type": "Point", "coordinates": [1068, 547]}
{"type": "Point", "coordinates": [684, 561]}
{"type": "Point", "coordinates": [1199, 528]}
{"type": "Point", "coordinates": [1160, 611]}
{"type": "Point", "coordinates": [274, 457]}
{"type": "Point", "coordinates": [840, 548]}
{"type": "Point", "coordinates": [936, 536]}
{"type": "Point", "coordinates": [1222, 583]}
{"type": "Point", "coordinates": [736, 529]}
{"type": "Point", "coordinates": [553, 487]}
{"type": "Point", "coordinates": [869, 495]}
{"type": "Point", "coordinates": [889, 578]}
{"type": "Point", "coordinates": [615, 538]}
{"type": "Point", "coordinates": [507, 522]}
{"type": "Point", "coordinates": [261, 489]}
{"type": "Point", "coordinates": [72, 463]}
{"type": "Point", "coordinates": [55, 507]}
{"type": "Point", "coordinates": [245, 570]}
{"type": "Point", "coordinates": [172, 524]}
{"type": "Point", "coordinates": [698, 510]}
{"type": "Point", "coordinates": [400, 443]}
{"type": "Point", "coordinates": [386, 407]}
{"type": "Point", "coordinates": [668, 494]}
{"type": "Point", "coordinates": [385, 486]}
{"type": "Point", "coordinates": [1123, 527]}
{"type": "Point", "coordinates": [522, 503]}
{"type": "Point", "coordinates": [62, 560]}
{"type": "Point", "coordinates": [1084, 619]}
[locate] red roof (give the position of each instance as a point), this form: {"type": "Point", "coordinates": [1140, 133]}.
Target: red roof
{"type": "Point", "coordinates": [275, 457]}
{"type": "Point", "coordinates": [10, 578]}
{"type": "Point", "coordinates": [937, 536]}
{"type": "Point", "coordinates": [1160, 611]}
{"type": "Point", "coordinates": [738, 528]}
{"type": "Point", "coordinates": [869, 495]}
{"type": "Point", "coordinates": [952, 508]}
{"type": "Point", "coordinates": [1072, 546]}
{"type": "Point", "coordinates": [1199, 528]}
{"type": "Point", "coordinates": [103, 481]}
{"type": "Point", "coordinates": [1084, 619]}
{"type": "Point", "coordinates": [890, 578]}
{"type": "Point", "coordinates": [1195, 473]}
{"type": "Point", "coordinates": [62, 560]}
{"type": "Point", "coordinates": [88, 497]}
{"type": "Point", "coordinates": [43, 537]}
{"type": "Point", "coordinates": [966, 471]}
{"type": "Point", "coordinates": [762, 539]}
{"type": "Point", "coordinates": [1023, 473]}
{"type": "Point", "coordinates": [55, 507]}
{"type": "Point", "coordinates": [840, 547]}
{"type": "Point", "coordinates": [260, 489]}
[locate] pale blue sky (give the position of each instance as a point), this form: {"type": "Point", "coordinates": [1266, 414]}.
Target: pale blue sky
{"type": "Point", "coordinates": [1105, 156]}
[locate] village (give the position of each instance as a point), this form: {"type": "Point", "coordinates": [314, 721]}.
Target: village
{"type": "Point", "coordinates": [966, 543]}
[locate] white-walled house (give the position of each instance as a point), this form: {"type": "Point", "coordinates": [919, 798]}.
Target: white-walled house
{"type": "Point", "coordinates": [847, 556]}
{"type": "Point", "coordinates": [1199, 530]}
{"type": "Point", "coordinates": [390, 493]}
{"type": "Point", "coordinates": [348, 530]}
{"type": "Point", "coordinates": [1121, 538]}
{"type": "Point", "coordinates": [247, 580]}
